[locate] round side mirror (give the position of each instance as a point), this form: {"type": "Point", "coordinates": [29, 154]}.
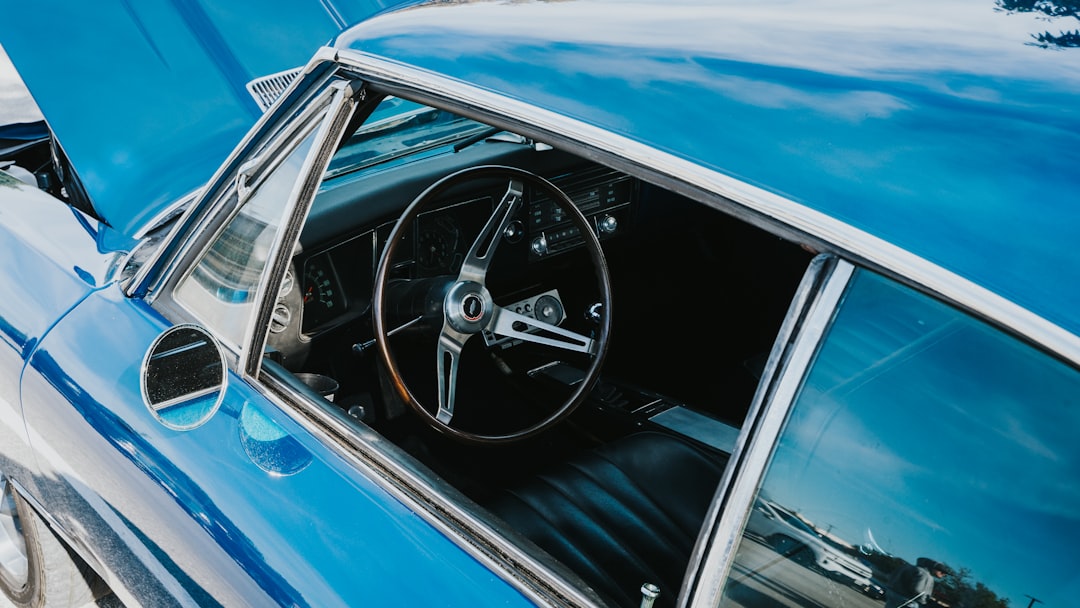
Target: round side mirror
{"type": "Point", "coordinates": [183, 377]}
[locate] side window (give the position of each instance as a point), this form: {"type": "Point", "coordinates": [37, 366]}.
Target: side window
{"type": "Point", "coordinates": [929, 459]}
{"type": "Point", "coordinates": [221, 288]}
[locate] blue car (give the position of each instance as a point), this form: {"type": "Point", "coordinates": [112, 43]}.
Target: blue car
{"type": "Point", "coordinates": [529, 303]}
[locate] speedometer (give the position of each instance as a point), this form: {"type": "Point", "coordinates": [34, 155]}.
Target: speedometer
{"type": "Point", "coordinates": [433, 250]}
{"type": "Point", "coordinates": [323, 297]}
{"type": "Point", "coordinates": [438, 242]}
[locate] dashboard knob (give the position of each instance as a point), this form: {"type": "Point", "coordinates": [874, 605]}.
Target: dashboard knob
{"type": "Point", "coordinates": [607, 224]}
{"type": "Point", "coordinates": [540, 245]}
{"type": "Point", "coordinates": [280, 318]}
{"type": "Point", "coordinates": [514, 231]}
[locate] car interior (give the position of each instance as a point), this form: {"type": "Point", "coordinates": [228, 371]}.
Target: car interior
{"type": "Point", "coordinates": [613, 480]}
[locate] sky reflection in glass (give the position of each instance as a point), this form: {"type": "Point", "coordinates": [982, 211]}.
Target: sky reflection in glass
{"type": "Point", "coordinates": [932, 434]}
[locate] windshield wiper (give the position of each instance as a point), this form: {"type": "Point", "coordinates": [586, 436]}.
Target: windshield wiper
{"type": "Point", "coordinates": [476, 137]}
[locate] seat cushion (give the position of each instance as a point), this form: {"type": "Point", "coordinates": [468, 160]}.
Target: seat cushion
{"type": "Point", "coordinates": [621, 515]}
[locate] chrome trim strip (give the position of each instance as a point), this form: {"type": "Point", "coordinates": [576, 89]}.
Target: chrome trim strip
{"type": "Point", "coordinates": [316, 116]}
{"type": "Point", "coordinates": [432, 499]}
{"type": "Point", "coordinates": [142, 276]}
{"type": "Point", "coordinates": [176, 208]}
{"type": "Point", "coordinates": [280, 149]}
{"type": "Point", "coordinates": [159, 269]}
{"type": "Point", "coordinates": [785, 370]}
{"type": "Point", "coordinates": [339, 109]}
{"type": "Point", "coordinates": [765, 209]}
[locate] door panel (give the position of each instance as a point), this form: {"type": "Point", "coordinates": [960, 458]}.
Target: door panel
{"type": "Point", "coordinates": [227, 513]}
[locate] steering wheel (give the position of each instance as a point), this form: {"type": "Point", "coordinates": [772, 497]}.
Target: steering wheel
{"type": "Point", "coordinates": [461, 307]}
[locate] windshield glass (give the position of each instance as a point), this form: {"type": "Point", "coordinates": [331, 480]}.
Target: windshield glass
{"type": "Point", "coordinates": [399, 128]}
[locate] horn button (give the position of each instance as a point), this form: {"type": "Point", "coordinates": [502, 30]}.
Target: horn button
{"type": "Point", "coordinates": [468, 307]}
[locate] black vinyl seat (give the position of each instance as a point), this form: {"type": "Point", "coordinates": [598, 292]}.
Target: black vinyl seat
{"type": "Point", "coordinates": [622, 515]}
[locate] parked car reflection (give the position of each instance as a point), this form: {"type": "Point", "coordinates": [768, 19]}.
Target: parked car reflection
{"type": "Point", "coordinates": [795, 538]}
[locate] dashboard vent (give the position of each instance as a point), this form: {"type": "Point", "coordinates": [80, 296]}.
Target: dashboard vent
{"type": "Point", "coordinates": [266, 89]}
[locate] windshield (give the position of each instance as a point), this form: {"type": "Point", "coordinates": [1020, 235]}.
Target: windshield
{"type": "Point", "coordinates": [399, 128]}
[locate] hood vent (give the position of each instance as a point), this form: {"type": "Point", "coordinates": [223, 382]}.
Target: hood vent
{"type": "Point", "coordinates": [266, 89]}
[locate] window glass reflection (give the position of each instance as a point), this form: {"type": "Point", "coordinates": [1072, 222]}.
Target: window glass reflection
{"type": "Point", "coordinates": [221, 289]}
{"type": "Point", "coordinates": [927, 449]}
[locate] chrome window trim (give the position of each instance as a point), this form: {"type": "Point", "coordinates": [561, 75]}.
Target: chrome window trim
{"type": "Point", "coordinates": [430, 498]}
{"type": "Point", "coordinates": [157, 273]}
{"type": "Point", "coordinates": [764, 209]}
{"type": "Point", "coordinates": [279, 154]}
{"type": "Point", "coordinates": [819, 295]}
{"type": "Point", "coordinates": [176, 208]}
{"type": "Point", "coordinates": [315, 118]}
{"type": "Point", "coordinates": [338, 113]}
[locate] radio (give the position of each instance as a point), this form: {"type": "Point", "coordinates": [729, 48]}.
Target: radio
{"type": "Point", "coordinates": [604, 199]}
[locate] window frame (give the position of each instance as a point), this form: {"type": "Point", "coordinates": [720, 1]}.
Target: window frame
{"type": "Point", "coordinates": [323, 113]}
{"type": "Point", "coordinates": [809, 317]}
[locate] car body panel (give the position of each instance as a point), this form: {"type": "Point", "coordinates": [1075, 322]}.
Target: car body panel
{"type": "Point", "coordinates": [51, 262]}
{"type": "Point", "coordinates": [874, 118]}
{"type": "Point", "coordinates": [151, 97]}
{"type": "Point", "coordinates": [932, 126]}
{"type": "Point", "coordinates": [112, 472]}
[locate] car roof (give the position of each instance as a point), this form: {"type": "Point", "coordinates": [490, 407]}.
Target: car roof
{"type": "Point", "coordinates": [943, 127]}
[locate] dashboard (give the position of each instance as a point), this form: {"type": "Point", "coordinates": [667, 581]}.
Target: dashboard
{"type": "Point", "coordinates": [331, 283]}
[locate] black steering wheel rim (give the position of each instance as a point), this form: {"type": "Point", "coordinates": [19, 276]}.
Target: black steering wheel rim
{"type": "Point", "coordinates": [457, 330]}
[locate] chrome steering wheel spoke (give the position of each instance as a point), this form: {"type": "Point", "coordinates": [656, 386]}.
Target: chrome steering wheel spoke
{"type": "Point", "coordinates": [508, 323]}
{"type": "Point", "coordinates": [476, 263]}
{"type": "Point", "coordinates": [449, 354]}
{"type": "Point", "coordinates": [467, 308]}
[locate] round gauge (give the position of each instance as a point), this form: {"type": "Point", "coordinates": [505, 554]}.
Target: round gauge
{"type": "Point", "coordinates": [433, 250]}
{"type": "Point", "coordinates": [318, 289]}
{"type": "Point", "coordinates": [323, 299]}
{"type": "Point", "coordinates": [548, 309]}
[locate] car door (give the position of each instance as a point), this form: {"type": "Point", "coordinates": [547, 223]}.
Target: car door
{"type": "Point", "coordinates": [184, 486]}
{"type": "Point", "coordinates": [911, 439]}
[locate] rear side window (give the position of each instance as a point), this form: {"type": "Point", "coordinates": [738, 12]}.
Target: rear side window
{"type": "Point", "coordinates": [928, 459]}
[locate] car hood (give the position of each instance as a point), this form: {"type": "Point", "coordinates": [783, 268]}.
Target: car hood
{"type": "Point", "coordinates": [148, 98]}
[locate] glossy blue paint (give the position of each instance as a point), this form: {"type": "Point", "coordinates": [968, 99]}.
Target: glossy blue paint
{"type": "Point", "coordinates": [937, 126]}
{"type": "Point", "coordinates": [223, 528]}
{"type": "Point", "coordinates": [147, 98]}
{"type": "Point", "coordinates": [50, 262]}
{"type": "Point", "coordinates": [219, 515]}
